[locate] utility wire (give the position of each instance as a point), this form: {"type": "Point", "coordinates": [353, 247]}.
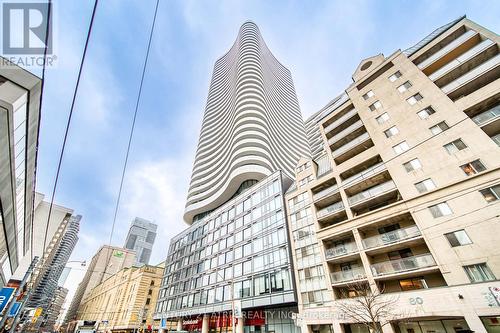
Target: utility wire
{"type": "Point", "coordinates": [133, 123]}
{"type": "Point", "coordinates": [131, 134]}
{"type": "Point", "coordinates": [75, 92]}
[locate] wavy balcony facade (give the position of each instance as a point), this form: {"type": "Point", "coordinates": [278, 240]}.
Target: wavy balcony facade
{"type": "Point", "coordinates": [252, 124]}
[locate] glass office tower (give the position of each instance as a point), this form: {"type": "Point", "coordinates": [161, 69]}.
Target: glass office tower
{"type": "Point", "coordinates": [239, 252]}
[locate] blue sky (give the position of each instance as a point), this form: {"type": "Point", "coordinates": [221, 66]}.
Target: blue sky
{"type": "Point", "coordinates": [321, 42]}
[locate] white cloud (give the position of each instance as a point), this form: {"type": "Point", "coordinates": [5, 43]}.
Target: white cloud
{"type": "Point", "coordinates": [155, 190]}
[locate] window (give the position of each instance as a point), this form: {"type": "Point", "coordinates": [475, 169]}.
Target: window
{"type": "Point", "coordinates": [425, 113]}
{"type": "Point", "coordinates": [491, 194]}
{"type": "Point", "coordinates": [479, 273]}
{"type": "Point", "coordinates": [414, 164]}
{"type": "Point", "coordinates": [439, 127]}
{"type": "Point", "coordinates": [401, 147]}
{"type": "Point", "coordinates": [425, 185]}
{"type": "Point", "coordinates": [391, 131]}
{"type": "Point", "coordinates": [414, 99]}
{"type": "Point", "coordinates": [395, 76]}
{"type": "Point", "coordinates": [441, 209]}
{"type": "Point", "coordinates": [473, 167]}
{"type": "Point", "coordinates": [237, 270]}
{"type": "Point", "coordinates": [375, 106]}
{"type": "Point", "coordinates": [458, 238]}
{"type": "Point", "coordinates": [261, 285]}
{"type": "Point", "coordinates": [454, 146]}
{"type": "Point", "coordinates": [150, 237]}
{"type": "Point", "coordinates": [382, 118]}
{"type": "Point", "coordinates": [368, 94]}
{"type": "Point", "coordinates": [413, 284]}
{"type": "Point", "coordinates": [247, 267]}
{"type": "Point", "coordinates": [404, 87]}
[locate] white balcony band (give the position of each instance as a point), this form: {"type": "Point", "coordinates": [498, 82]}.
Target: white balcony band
{"type": "Point", "coordinates": [252, 125]}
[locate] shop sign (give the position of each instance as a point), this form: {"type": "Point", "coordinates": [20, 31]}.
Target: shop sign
{"type": "Point", "coordinates": [15, 308]}
{"type": "Point", "coordinates": [255, 318]}
{"type": "Point", "coordinates": [237, 309]}
{"type": "Point", "coordinates": [5, 294]}
{"type": "Point", "coordinates": [492, 296]}
{"type": "Point", "coordinates": [191, 324]}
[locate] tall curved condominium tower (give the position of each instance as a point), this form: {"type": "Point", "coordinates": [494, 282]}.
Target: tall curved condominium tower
{"type": "Point", "coordinates": [252, 125]}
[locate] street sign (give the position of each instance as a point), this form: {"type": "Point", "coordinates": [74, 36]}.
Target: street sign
{"type": "Point", "coordinates": [237, 309]}
{"type": "Point", "coordinates": [5, 294]}
{"type": "Point", "coordinates": [38, 312]}
{"type": "Point", "coordinates": [15, 309]}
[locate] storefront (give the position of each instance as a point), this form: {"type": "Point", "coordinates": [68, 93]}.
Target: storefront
{"type": "Point", "coordinates": [448, 325]}
{"type": "Point", "coordinates": [254, 321]}
{"type": "Point", "coordinates": [491, 324]}
{"type": "Point", "coordinates": [434, 326]}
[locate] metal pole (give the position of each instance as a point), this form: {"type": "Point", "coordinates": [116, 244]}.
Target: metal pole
{"type": "Point", "coordinates": [18, 293]}
{"type": "Point", "coordinates": [232, 306]}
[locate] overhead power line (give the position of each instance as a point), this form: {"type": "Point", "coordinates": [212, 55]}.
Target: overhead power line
{"type": "Point", "coordinates": [68, 123]}
{"type": "Point", "coordinates": [132, 128]}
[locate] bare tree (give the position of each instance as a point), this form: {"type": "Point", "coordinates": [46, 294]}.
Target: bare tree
{"type": "Point", "coordinates": [371, 309]}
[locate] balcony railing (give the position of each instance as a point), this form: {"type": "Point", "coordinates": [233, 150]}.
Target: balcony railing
{"type": "Point", "coordinates": [341, 120]}
{"type": "Point", "coordinates": [357, 273]}
{"type": "Point", "coordinates": [487, 116]}
{"type": "Point", "coordinates": [372, 192]}
{"type": "Point", "coordinates": [462, 59]}
{"type": "Point", "coordinates": [326, 192]}
{"type": "Point", "coordinates": [345, 132]}
{"type": "Point", "coordinates": [340, 250]}
{"type": "Point", "coordinates": [472, 75]}
{"type": "Point", "coordinates": [496, 139]}
{"type": "Point", "coordinates": [335, 207]}
{"type": "Point", "coordinates": [454, 44]}
{"type": "Point", "coordinates": [391, 237]}
{"type": "Point", "coordinates": [324, 166]}
{"type": "Point", "coordinates": [365, 174]}
{"type": "Point", "coordinates": [351, 144]}
{"type": "Point", "coordinates": [403, 264]}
